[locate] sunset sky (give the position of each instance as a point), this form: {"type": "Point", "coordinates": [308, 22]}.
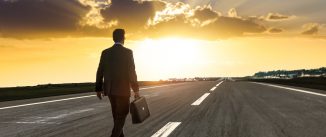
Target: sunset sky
{"type": "Point", "coordinates": [60, 41]}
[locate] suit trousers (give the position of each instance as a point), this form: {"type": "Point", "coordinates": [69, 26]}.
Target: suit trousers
{"type": "Point", "coordinates": [120, 109]}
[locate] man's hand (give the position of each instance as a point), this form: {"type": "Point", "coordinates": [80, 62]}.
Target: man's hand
{"type": "Point", "coordinates": [137, 95]}
{"type": "Point", "coordinates": [99, 95]}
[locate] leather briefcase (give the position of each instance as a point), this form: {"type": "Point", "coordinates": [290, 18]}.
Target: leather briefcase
{"type": "Point", "coordinates": [139, 110]}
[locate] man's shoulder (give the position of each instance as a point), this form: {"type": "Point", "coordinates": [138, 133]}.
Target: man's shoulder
{"type": "Point", "coordinates": [111, 49]}
{"type": "Point", "coordinates": [107, 50]}
{"type": "Point", "coordinates": [127, 49]}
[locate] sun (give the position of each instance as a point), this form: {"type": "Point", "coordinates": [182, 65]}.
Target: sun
{"type": "Point", "coordinates": [167, 57]}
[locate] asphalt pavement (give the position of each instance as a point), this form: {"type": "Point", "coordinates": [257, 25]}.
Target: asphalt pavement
{"type": "Point", "coordinates": [224, 108]}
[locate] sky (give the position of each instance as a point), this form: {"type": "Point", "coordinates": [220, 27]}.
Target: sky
{"type": "Point", "coordinates": [60, 41]}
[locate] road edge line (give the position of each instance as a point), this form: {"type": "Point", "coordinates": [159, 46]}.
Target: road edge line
{"type": "Point", "coordinates": [293, 89]}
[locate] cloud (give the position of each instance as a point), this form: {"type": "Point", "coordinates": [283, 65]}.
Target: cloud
{"type": "Point", "coordinates": [205, 13]}
{"type": "Point", "coordinates": [229, 26]}
{"type": "Point", "coordinates": [272, 17]}
{"type": "Point", "coordinates": [25, 17]}
{"type": "Point", "coordinates": [141, 18]}
{"type": "Point", "coordinates": [94, 18]}
{"type": "Point", "coordinates": [278, 17]}
{"type": "Point", "coordinates": [171, 11]}
{"type": "Point", "coordinates": [311, 28]}
{"type": "Point", "coordinates": [214, 26]}
{"type": "Point", "coordinates": [233, 13]}
{"type": "Point", "coordinates": [275, 30]}
{"type": "Point", "coordinates": [132, 15]}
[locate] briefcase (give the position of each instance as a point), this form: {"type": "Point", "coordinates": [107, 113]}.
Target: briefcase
{"type": "Point", "coordinates": [139, 110]}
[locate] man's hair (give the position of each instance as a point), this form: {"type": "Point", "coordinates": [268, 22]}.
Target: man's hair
{"type": "Point", "coordinates": [118, 35]}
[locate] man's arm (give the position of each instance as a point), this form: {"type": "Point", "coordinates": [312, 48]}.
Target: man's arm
{"type": "Point", "coordinates": [133, 76]}
{"type": "Point", "coordinates": [99, 76]}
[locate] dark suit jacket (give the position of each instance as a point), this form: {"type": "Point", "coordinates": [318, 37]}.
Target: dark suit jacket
{"type": "Point", "coordinates": [117, 69]}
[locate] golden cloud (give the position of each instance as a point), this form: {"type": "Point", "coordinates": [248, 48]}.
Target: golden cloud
{"type": "Point", "coordinates": [275, 30]}
{"type": "Point", "coordinates": [141, 18]}
{"type": "Point", "coordinates": [132, 15]}
{"type": "Point", "coordinates": [311, 28]}
{"type": "Point", "coordinates": [22, 18]}
{"type": "Point", "coordinates": [201, 22]}
{"type": "Point", "coordinates": [278, 17]}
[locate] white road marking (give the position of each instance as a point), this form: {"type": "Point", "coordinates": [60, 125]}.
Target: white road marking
{"type": "Point", "coordinates": [213, 89]}
{"type": "Point", "coordinates": [201, 99]}
{"type": "Point", "coordinates": [219, 84]}
{"type": "Point", "coordinates": [45, 102]}
{"type": "Point", "coordinates": [73, 98]}
{"type": "Point", "coordinates": [293, 89]}
{"type": "Point", "coordinates": [167, 129]}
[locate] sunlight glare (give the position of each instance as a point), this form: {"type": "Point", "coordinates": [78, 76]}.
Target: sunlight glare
{"type": "Point", "coordinates": [168, 55]}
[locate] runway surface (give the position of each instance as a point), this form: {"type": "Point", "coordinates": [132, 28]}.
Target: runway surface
{"type": "Point", "coordinates": [193, 109]}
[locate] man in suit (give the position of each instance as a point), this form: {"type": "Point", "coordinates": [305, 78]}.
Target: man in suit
{"type": "Point", "coordinates": [115, 75]}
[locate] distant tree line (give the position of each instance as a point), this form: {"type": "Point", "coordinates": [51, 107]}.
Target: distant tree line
{"type": "Point", "coordinates": [320, 72]}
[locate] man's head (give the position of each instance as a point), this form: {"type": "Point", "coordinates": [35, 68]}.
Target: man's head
{"type": "Point", "coordinates": [119, 35]}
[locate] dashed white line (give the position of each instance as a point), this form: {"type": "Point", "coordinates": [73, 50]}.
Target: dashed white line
{"type": "Point", "coordinates": [213, 89]}
{"type": "Point", "coordinates": [73, 98]}
{"type": "Point", "coordinates": [167, 129]}
{"type": "Point", "coordinates": [293, 89]}
{"type": "Point", "coordinates": [201, 99]}
{"type": "Point", "coordinates": [219, 84]}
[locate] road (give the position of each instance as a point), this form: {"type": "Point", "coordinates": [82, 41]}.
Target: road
{"type": "Point", "coordinates": [192, 109]}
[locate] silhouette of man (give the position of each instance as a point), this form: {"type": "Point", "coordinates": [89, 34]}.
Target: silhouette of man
{"type": "Point", "coordinates": [115, 75]}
